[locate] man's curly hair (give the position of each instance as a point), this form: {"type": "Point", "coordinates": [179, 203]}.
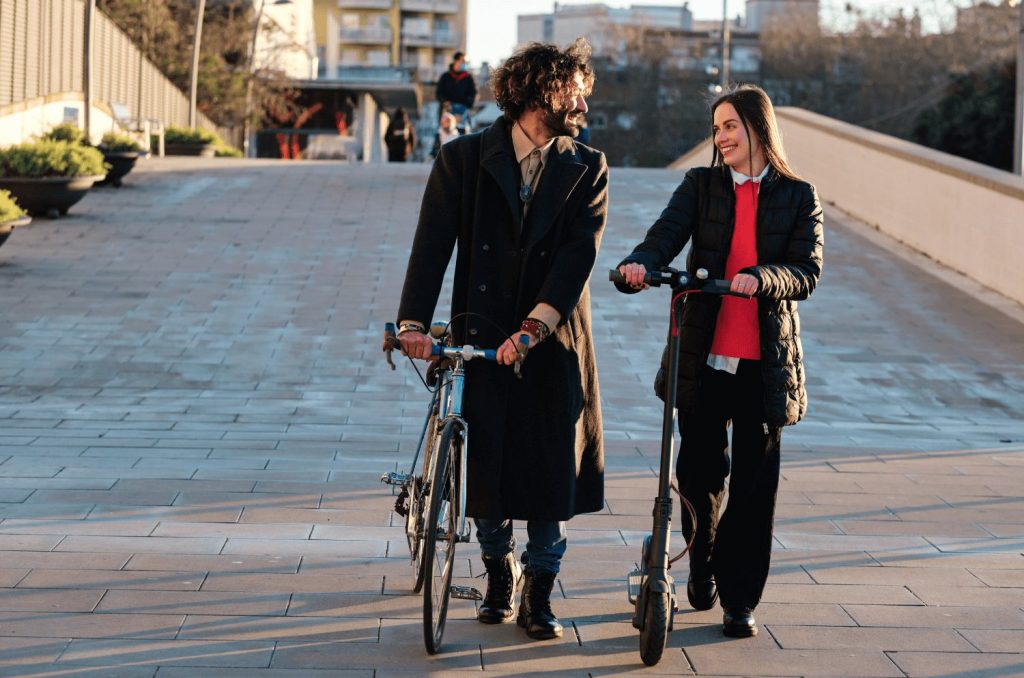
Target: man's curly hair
{"type": "Point", "coordinates": [538, 76]}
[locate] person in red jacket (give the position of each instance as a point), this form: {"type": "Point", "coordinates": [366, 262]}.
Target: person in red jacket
{"type": "Point", "coordinates": [457, 88]}
{"type": "Point", "coordinates": [749, 219]}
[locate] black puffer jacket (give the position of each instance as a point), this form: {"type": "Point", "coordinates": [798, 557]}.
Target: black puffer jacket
{"type": "Point", "coordinates": [790, 239]}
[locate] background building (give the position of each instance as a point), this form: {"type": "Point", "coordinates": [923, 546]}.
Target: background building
{"type": "Point", "coordinates": [388, 39]}
{"type": "Point", "coordinates": [654, 67]}
{"type": "Point", "coordinates": [763, 13]}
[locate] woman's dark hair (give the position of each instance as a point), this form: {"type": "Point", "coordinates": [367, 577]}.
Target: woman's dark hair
{"type": "Point", "coordinates": [400, 117]}
{"type": "Point", "coordinates": [757, 115]}
{"type": "Point", "coordinates": [538, 75]}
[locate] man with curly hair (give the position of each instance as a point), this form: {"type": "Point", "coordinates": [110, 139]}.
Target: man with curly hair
{"type": "Point", "coordinates": [526, 206]}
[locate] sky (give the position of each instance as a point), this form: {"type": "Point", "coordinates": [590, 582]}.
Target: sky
{"type": "Point", "coordinates": [492, 23]}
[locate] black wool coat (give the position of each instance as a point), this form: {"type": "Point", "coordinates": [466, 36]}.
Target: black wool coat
{"type": "Point", "coordinates": [790, 240]}
{"type": "Point", "coordinates": [535, 444]}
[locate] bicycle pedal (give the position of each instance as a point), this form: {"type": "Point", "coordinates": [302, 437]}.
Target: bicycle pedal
{"type": "Point", "coordinates": [395, 478]}
{"type": "Point", "coordinates": [633, 583]}
{"type": "Point", "coordinates": [466, 593]}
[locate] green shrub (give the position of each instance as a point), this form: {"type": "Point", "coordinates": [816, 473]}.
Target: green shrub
{"type": "Point", "coordinates": [184, 135]}
{"type": "Point", "coordinates": [49, 158]}
{"type": "Point", "coordinates": [226, 151]}
{"type": "Point", "coordinates": [119, 143]}
{"type": "Point", "coordinates": [65, 132]}
{"type": "Point", "coordinates": [9, 209]}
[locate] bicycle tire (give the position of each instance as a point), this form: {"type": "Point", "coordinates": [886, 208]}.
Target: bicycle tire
{"type": "Point", "coordinates": [654, 635]}
{"type": "Point", "coordinates": [440, 537]}
{"type": "Point", "coordinates": [417, 501]}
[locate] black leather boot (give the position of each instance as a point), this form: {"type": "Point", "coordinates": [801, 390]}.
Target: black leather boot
{"type": "Point", "coordinates": [702, 593]}
{"type": "Point", "coordinates": [738, 622]}
{"type": "Point", "coordinates": [535, 609]}
{"type": "Point", "coordinates": [503, 577]}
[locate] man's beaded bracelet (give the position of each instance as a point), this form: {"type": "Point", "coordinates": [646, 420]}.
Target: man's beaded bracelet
{"type": "Point", "coordinates": [535, 327]}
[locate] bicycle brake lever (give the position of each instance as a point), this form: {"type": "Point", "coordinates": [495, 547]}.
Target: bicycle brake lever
{"type": "Point", "coordinates": [524, 342]}
{"type": "Point", "coordinates": [390, 339]}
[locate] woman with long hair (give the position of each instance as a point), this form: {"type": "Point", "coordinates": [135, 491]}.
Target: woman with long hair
{"type": "Point", "coordinates": [400, 137]}
{"type": "Point", "coordinates": [748, 218]}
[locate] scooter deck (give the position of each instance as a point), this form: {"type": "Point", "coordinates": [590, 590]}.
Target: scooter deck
{"type": "Point", "coordinates": [635, 581]}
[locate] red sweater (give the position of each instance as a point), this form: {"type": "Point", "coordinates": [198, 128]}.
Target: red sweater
{"type": "Point", "coordinates": [736, 332]}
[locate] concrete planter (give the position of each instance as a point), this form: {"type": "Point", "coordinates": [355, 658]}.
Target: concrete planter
{"type": "Point", "coordinates": [48, 196]}
{"type": "Point", "coordinates": [190, 148]}
{"type": "Point", "coordinates": [121, 163]}
{"type": "Point", "coordinates": [7, 226]}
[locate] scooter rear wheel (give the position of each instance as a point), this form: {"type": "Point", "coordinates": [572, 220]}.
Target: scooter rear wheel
{"type": "Point", "coordinates": [654, 635]}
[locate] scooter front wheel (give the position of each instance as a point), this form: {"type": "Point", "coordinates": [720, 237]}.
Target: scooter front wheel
{"type": "Point", "coordinates": [654, 635]}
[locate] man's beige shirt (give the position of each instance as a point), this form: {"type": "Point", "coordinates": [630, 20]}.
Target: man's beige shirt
{"type": "Point", "coordinates": [531, 159]}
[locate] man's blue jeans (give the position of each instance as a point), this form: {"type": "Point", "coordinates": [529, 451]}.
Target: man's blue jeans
{"type": "Point", "coordinates": [545, 547]}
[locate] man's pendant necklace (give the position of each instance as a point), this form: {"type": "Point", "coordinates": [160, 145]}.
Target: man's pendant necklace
{"type": "Point", "coordinates": [526, 193]}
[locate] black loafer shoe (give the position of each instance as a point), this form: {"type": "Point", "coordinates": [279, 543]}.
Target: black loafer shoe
{"type": "Point", "coordinates": [738, 622]}
{"type": "Point", "coordinates": [702, 594]}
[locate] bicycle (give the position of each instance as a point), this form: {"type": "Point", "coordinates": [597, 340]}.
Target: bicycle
{"type": "Point", "coordinates": [434, 501]}
{"type": "Point", "coordinates": [650, 587]}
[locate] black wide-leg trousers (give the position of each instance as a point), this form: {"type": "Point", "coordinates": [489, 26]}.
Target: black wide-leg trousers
{"type": "Point", "coordinates": [735, 546]}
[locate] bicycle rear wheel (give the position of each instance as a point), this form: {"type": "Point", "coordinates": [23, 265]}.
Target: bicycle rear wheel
{"type": "Point", "coordinates": [440, 536]}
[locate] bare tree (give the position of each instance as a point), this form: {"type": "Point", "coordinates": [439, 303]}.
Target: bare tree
{"type": "Point", "coordinates": [880, 74]}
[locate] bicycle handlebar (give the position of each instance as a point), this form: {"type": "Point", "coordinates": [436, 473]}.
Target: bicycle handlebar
{"type": "Point", "coordinates": [682, 280]}
{"type": "Point", "coordinates": [391, 343]}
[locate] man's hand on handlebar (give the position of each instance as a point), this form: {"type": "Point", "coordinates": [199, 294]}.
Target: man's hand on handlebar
{"type": "Point", "coordinates": [416, 344]}
{"type": "Point", "coordinates": [744, 283]}
{"type": "Point", "coordinates": [634, 274]}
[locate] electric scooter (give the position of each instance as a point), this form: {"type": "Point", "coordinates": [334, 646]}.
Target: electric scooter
{"type": "Point", "coordinates": [650, 586]}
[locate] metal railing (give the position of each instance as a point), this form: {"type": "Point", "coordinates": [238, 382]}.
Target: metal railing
{"type": "Point", "coordinates": [439, 6]}
{"type": "Point", "coordinates": [366, 34]}
{"type": "Point", "coordinates": [42, 55]}
{"type": "Point", "coordinates": [364, 4]}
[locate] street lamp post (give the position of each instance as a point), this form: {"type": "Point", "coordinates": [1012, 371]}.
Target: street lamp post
{"type": "Point", "coordinates": [87, 69]}
{"type": "Point", "coordinates": [1018, 129]}
{"type": "Point", "coordinates": [725, 45]}
{"type": "Point", "coordinates": [196, 40]}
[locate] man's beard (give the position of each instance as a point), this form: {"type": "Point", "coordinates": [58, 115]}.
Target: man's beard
{"type": "Point", "coordinates": [563, 124]}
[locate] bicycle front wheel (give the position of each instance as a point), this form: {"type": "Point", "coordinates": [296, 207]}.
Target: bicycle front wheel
{"type": "Point", "coordinates": [440, 535]}
{"type": "Point", "coordinates": [418, 499]}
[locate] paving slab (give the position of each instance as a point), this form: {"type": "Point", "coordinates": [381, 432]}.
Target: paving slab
{"type": "Point", "coordinates": [192, 397]}
{"type": "Point", "coordinates": [192, 653]}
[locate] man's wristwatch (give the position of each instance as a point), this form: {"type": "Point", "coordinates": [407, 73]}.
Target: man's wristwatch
{"type": "Point", "coordinates": [411, 326]}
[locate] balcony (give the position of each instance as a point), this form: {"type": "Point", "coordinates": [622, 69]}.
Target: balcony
{"type": "Point", "coordinates": [415, 37]}
{"type": "Point", "coordinates": [430, 73]}
{"type": "Point", "coordinates": [438, 6]}
{"type": "Point", "coordinates": [418, 5]}
{"type": "Point", "coordinates": [366, 35]}
{"type": "Point", "coordinates": [370, 73]}
{"type": "Point", "coordinates": [445, 39]}
{"type": "Point", "coordinates": [446, 6]}
{"type": "Point", "coordinates": [364, 4]}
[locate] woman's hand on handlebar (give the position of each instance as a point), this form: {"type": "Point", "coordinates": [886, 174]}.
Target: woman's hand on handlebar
{"type": "Point", "coordinates": [508, 353]}
{"type": "Point", "coordinates": [416, 344]}
{"type": "Point", "coordinates": [634, 274]}
{"type": "Point", "coordinates": [744, 283]}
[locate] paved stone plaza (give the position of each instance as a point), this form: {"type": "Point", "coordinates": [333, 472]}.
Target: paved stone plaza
{"type": "Point", "coordinates": [194, 414]}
